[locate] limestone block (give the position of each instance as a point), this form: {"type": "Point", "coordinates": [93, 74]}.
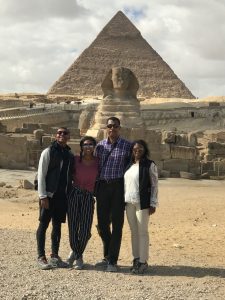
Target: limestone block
{"type": "Point", "coordinates": [13, 153]}
{"type": "Point", "coordinates": [156, 155]}
{"type": "Point", "coordinates": [45, 127]}
{"type": "Point", "coordinates": [181, 139]}
{"type": "Point", "coordinates": [168, 137]}
{"type": "Point", "coordinates": [30, 127]}
{"type": "Point", "coordinates": [194, 166]}
{"type": "Point", "coordinates": [38, 133]}
{"type": "Point", "coordinates": [165, 174]}
{"type": "Point", "coordinates": [188, 175]}
{"type": "Point", "coordinates": [137, 134]}
{"type": "Point", "coordinates": [175, 165]}
{"type": "Point", "coordinates": [125, 133]}
{"type": "Point", "coordinates": [220, 136]}
{"type": "Point", "coordinates": [75, 147]}
{"type": "Point", "coordinates": [34, 145]}
{"type": "Point", "coordinates": [153, 137]}
{"type": "Point", "coordinates": [165, 151]}
{"type": "Point", "coordinates": [46, 140]}
{"type": "Point", "coordinates": [192, 139]}
{"type": "Point", "coordinates": [216, 148]}
{"type": "Point", "coordinates": [183, 152]}
{"type": "Point", "coordinates": [75, 133]}
{"type": "Point", "coordinates": [26, 184]}
{"type": "Point", "coordinates": [206, 166]}
{"type": "Point", "coordinates": [208, 157]}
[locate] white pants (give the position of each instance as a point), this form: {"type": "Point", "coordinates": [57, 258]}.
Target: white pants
{"type": "Point", "coordinates": [138, 221]}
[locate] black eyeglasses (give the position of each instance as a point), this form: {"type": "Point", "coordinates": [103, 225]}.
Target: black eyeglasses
{"type": "Point", "coordinates": [113, 126]}
{"type": "Point", "coordinates": [88, 145]}
{"type": "Point", "coordinates": [62, 132]}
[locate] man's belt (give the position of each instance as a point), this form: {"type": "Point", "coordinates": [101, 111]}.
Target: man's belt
{"type": "Point", "coordinates": [110, 181]}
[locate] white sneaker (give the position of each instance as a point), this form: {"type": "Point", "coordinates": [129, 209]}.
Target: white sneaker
{"type": "Point", "coordinates": [79, 264]}
{"type": "Point", "coordinates": [70, 260]}
{"type": "Point", "coordinates": [43, 263]}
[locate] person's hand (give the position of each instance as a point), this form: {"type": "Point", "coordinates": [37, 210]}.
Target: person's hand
{"type": "Point", "coordinates": [151, 210]}
{"type": "Point", "coordinates": [45, 203]}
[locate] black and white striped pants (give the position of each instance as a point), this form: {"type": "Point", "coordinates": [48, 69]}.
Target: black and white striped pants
{"type": "Point", "coordinates": [80, 218]}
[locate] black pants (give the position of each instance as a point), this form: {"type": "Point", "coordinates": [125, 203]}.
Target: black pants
{"type": "Point", "coordinates": [57, 214]}
{"type": "Point", "coordinates": [80, 218]}
{"type": "Point", "coordinates": [110, 213]}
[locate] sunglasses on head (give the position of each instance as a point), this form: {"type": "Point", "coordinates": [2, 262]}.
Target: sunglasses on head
{"type": "Point", "coordinates": [88, 145]}
{"type": "Point", "coordinates": [113, 126]}
{"type": "Point", "coordinates": [60, 132]}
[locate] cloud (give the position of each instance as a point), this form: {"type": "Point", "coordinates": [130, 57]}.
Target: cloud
{"type": "Point", "coordinates": [32, 10]}
{"type": "Point", "coordinates": [40, 39]}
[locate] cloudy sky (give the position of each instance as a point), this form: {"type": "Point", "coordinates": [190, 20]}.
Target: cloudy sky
{"type": "Point", "coordinates": [40, 39]}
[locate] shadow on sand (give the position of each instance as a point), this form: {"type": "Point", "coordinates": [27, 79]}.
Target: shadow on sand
{"type": "Point", "coordinates": [179, 270]}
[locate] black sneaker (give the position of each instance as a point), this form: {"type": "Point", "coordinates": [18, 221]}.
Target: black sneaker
{"type": "Point", "coordinates": [140, 268]}
{"type": "Point", "coordinates": [102, 263]}
{"type": "Point", "coordinates": [135, 263]}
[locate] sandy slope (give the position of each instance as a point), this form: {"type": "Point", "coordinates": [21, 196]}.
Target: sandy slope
{"type": "Point", "coordinates": [187, 250]}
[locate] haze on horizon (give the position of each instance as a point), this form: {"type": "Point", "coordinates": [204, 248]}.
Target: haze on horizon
{"type": "Point", "coordinates": [41, 39]}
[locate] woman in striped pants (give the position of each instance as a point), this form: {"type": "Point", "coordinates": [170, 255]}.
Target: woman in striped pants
{"type": "Point", "coordinates": [81, 201]}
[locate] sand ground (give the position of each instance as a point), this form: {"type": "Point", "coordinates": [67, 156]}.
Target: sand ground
{"type": "Point", "coordinates": [187, 248]}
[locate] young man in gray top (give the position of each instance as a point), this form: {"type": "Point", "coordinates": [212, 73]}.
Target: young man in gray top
{"type": "Point", "coordinates": [54, 180]}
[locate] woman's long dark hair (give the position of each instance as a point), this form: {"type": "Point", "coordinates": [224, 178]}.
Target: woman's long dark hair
{"type": "Point", "coordinates": [86, 138]}
{"type": "Point", "coordinates": [146, 153]}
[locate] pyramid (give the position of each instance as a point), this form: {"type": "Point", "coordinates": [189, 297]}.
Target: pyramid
{"type": "Point", "coordinates": [120, 44]}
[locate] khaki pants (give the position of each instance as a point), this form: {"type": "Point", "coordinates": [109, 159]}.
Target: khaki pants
{"type": "Point", "coordinates": [138, 221]}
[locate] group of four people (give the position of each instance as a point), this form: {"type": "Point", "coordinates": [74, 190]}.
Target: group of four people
{"type": "Point", "coordinates": [126, 180]}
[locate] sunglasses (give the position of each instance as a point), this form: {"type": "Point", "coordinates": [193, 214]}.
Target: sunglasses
{"type": "Point", "coordinates": [62, 132]}
{"type": "Point", "coordinates": [113, 126]}
{"type": "Point", "coordinates": [88, 145]}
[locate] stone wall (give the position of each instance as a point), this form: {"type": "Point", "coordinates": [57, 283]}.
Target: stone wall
{"type": "Point", "coordinates": [55, 118]}
{"type": "Point", "coordinates": [14, 152]}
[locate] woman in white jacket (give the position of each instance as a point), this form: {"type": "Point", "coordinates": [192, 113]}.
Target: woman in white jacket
{"type": "Point", "coordinates": [141, 197]}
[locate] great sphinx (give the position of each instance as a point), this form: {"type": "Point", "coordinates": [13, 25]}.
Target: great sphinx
{"type": "Point", "coordinates": [120, 83]}
{"type": "Point", "coordinates": [119, 87]}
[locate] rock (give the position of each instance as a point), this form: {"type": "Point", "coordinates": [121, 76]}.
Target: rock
{"type": "Point", "coordinates": [2, 183]}
{"type": "Point", "coordinates": [26, 184]}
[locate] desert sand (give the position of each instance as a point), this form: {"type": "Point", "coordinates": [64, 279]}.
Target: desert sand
{"type": "Point", "coordinates": [187, 248]}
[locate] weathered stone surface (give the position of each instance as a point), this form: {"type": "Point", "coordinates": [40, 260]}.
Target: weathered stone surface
{"type": "Point", "coordinates": [120, 88]}
{"type": "Point", "coordinates": [183, 152]}
{"type": "Point", "coordinates": [153, 136]}
{"type": "Point", "coordinates": [215, 148]}
{"type": "Point", "coordinates": [46, 140]}
{"type": "Point", "coordinates": [169, 137]}
{"type": "Point", "coordinates": [165, 174]}
{"type": "Point", "coordinates": [120, 44]}
{"type": "Point", "coordinates": [38, 134]}
{"type": "Point", "coordinates": [165, 151]}
{"type": "Point", "coordinates": [13, 152]}
{"type": "Point", "coordinates": [175, 165]}
{"type": "Point", "coordinates": [26, 184]}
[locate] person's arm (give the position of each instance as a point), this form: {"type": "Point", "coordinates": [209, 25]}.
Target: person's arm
{"type": "Point", "coordinates": [153, 172]}
{"type": "Point", "coordinates": [42, 173]}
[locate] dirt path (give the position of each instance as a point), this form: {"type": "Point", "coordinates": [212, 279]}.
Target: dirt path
{"type": "Point", "coordinates": [187, 250]}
